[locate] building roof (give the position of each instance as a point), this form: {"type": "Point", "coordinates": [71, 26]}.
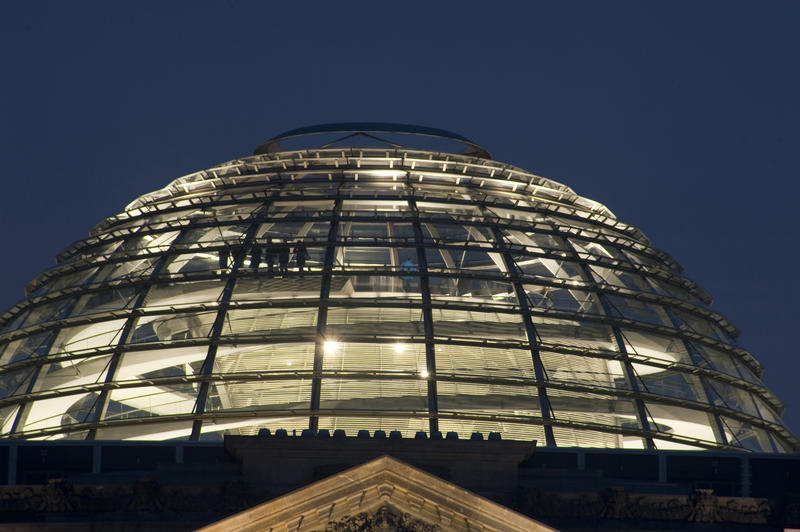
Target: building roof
{"type": "Point", "coordinates": [387, 492]}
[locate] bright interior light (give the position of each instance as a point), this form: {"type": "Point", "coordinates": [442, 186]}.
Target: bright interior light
{"type": "Point", "coordinates": [331, 346]}
{"type": "Point", "coordinates": [424, 373]}
{"type": "Point", "coordinates": [399, 348]}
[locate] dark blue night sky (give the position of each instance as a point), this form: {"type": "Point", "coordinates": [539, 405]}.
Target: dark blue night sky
{"type": "Point", "coordinates": [681, 117]}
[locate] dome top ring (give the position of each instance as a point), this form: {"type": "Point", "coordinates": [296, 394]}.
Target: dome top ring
{"type": "Point", "coordinates": [365, 128]}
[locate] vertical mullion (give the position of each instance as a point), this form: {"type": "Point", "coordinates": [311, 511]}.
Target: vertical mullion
{"type": "Point", "coordinates": [427, 319]}
{"type": "Point", "coordinates": [533, 338]}
{"type": "Point", "coordinates": [216, 329]}
{"type": "Point", "coordinates": [322, 316]}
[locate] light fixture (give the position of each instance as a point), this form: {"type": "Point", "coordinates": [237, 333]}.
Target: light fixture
{"type": "Point", "coordinates": [331, 346]}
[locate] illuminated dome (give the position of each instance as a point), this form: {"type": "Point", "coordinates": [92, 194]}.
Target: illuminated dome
{"type": "Point", "coordinates": [377, 277]}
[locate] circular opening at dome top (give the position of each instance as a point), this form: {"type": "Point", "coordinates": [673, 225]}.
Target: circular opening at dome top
{"type": "Point", "coordinates": [371, 135]}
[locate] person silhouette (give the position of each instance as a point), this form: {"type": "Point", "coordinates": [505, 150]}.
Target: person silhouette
{"type": "Point", "coordinates": [283, 258]}
{"type": "Point", "coordinates": [409, 284]}
{"type": "Point", "coordinates": [269, 255]}
{"type": "Point", "coordinates": [300, 257]}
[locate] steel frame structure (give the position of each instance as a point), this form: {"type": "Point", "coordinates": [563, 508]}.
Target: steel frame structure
{"type": "Point", "coordinates": [442, 292]}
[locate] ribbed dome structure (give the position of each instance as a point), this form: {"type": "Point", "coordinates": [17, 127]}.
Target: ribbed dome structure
{"type": "Point", "coordinates": [362, 283]}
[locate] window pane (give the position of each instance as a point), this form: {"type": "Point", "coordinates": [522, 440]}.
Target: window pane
{"type": "Point", "coordinates": [471, 324]}
{"type": "Point", "coordinates": [483, 361]}
{"type": "Point", "coordinates": [583, 370]}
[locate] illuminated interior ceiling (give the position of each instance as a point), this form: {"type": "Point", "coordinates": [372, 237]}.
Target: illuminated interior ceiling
{"type": "Point", "coordinates": [440, 291]}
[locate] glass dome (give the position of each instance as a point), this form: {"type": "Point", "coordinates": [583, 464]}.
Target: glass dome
{"type": "Point", "coordinates": [359, 283]}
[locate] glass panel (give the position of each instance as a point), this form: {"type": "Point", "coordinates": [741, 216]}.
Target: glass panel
{"type": "Point", "coordinates": [647, 345]}
{"type": "Point", "coordinates": [583, 407]}
{"type": "Point", "coordinates": [102, 250]}
{"type": "Point", "coordinates": [266, 288]}
{"type": "Point", "coordinates": [149, 401]}
{"type": "Point", "coordinates": [183, 293]}
{"type": "Point", "coordinates": [670, 383]}
{"type": "Point", "coordinates": [138, 267]}
{"type": "Point", "coordinates": [230, 234]}
{"type": "Point", "coordinates": [371, 257]}
{"type": "Point", "coordinates": [233, 212]}
{"type": "Point", "coordinates": [172, 362]}
{"type": "Point", "coordinates": [592, 228]}
{"type": "Point", "coordinates": [285, 231]}
{"type": "Point", "coordinates": [274, 256]}
{"type": "Point", "coordinates": [400, 258]}
{"type": "Point", "coordinates": [670, 289]}
{"type": "Point", "coordinates": [700, 325]}
{"type": "Point", "coordinates": [510, 214]}
{"type": "Point", "coordinates": [575, 333]}
{"type": "Point", "coordinates": [454, 289]}
{"type": "Point", "coordinates": [301, 208]}
{"type": "Point", "coordinates": [371, 396]}
{"type": "Point", "coordinates": [681, 422]}
{"type": "Point", "coordinates": [375, 286]}
{"type": "Point", "coordinates": [484, 400]}
{"type": "Point", "coordinates": [472, 324]}
{"type": "Point", "coordinates": [584, 370]}
{"type": "Point", "coordinates": [550, 268]}
{"type": "Point", "coordinates": [29, 347]}
{"type": "Point", "coordinates": [455, 233]}
{"type": "Point", "coordinates": [265, 321]}
{"type": "Point", "coordinates": [621, 278]}
{"type": "Point", "coordinates": [7, 416]}
{"type": "Point", "coordinates": [71, 373]}
{"type": "Point", "coordinates": [562, 299]}
{"type": "Point", "coordinates": [105, 301]}
{"type": "Point", "coordinates": [150, 243]}
{"type": "Point", "coordinates": [633, 309]}
{"type": "Point", "coordinates": [284, 359]}
{"type": "Point", "coordinates": [463, 259]}
{"type": "Point", "coordinates": [483, 361]}
{"type": "Point", "coordinates": [448, 211]}
{"type": "Point", "coordinates": [162, 328]}
{"type": "Point", "coordinates": [723, 362]}
{"type": "Point", "coordinates": [377, 232]}
{"type": "Point", "coordinates": [398, 358]}
{"type": "Point", "coordinates": [535, 242]}
{"type": "Point", "coordinates": [374, 207]}
{"type": "Point", "coordinates": [745, 435]}
{"type": "Point", "coordinates": [16, 382]}
{"type": "Point", "coordinates": [644, 260]}
{"type": "Point", "coordinates": [62, 281]}
{"type": "Point", "coordinates": [570, 437]}
{"type": "Point", "coordinates": [50, 413]}
{"type": "Point", "coordinates": [365, 231]}
{"type": "Point", "coordinates": [724, 394]}
{"type": "Point", "coordinates": [90, 336]}
{"type": "Point", "coordinates": [589, 249]}
{"type": "Point", "coordinates": [766, 411]}
{"type": "Point", "coordinates": [49, 311]}
{"type": "Point", "coordinates": [368, 321]}
{"type": "Point", "coordinates": [193, 262]}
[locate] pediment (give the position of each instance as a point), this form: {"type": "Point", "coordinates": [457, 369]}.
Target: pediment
{"type": "Point", "coordinates": [384, 494]}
